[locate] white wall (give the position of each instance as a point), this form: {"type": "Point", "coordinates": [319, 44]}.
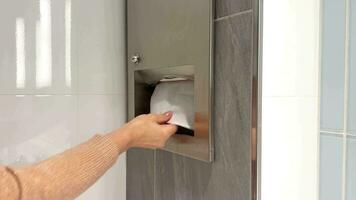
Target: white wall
{"type": "Point", "coordinates": [62, 80]}
{"type": "Point", "coordinates": [290, 100]}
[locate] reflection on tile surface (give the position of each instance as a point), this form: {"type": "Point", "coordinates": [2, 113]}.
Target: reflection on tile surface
{"type": "Point", "coordinates": [44, 46]}
{"type": "Point", "coordinates": [229, 7]}
{"type": "Point", "coordinates": [36, 126]}
{"type": "Point", "coordinates": [20, 53]}
{"type": "Point", "coordinates": [98, 46]}
{"type": "Point", "coordinates": [57, 47]}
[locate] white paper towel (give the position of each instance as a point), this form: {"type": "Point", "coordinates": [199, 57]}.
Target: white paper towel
{"type": "Point", "coordinates": [178, 97]}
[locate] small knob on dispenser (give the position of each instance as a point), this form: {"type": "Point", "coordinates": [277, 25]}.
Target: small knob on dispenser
{"type": "Point", "coordinates": [136, 59]}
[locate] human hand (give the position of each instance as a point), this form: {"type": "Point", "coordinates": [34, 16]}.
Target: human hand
{"type": "Point", "coordinates": [145, 131]}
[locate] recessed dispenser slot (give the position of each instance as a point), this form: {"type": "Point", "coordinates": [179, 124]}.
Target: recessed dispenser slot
{"type": "Point", "coordinates": [167, 89]}
{"type": "Point", "coordinates": [185, 131]}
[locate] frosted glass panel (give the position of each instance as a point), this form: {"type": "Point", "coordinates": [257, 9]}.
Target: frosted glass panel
{"type": "Point", "coordinates": [333, 61]}
{"type": "Point", "coordinates": [330, 167]}
{"type": "Point", "coordinates": [352, 100]}
{"type": "Point", "coordinates": [351, 169]}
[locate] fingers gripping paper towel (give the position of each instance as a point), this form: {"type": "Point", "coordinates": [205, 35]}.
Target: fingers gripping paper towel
{"type": "Point", "coordinates": [178, 97]}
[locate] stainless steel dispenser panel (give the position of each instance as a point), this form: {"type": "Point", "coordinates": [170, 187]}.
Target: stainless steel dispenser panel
{"type": "Point", "coordinates": [170, 39]}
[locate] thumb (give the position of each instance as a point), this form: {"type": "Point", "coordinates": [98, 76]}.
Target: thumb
{"type": "Point", "coordinates": [170, 129]}
{"type": "Point", "coordinates": [164, 118]}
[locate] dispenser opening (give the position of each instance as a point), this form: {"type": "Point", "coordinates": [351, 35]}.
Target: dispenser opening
{"type": "Point", "coordinates": [167, 91]}
{"type": "Point", "coordinates": [176, 96]}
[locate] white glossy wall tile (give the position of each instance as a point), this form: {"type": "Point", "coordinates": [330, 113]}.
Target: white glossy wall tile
{"type": "Point", "coordinates": [14, 33]}
{"type": "Point", "coordinates": [34, 127]}
{"type": "Point", "coordinates": [289, 146]}
{"type": "Point", "coordinates": [98, 48]}
{"type": "Point", "coordinates": [61, 47]}
{"type": "Point", "coordinates": [290, 74]}
{"type": "Point", "coordinates": [62, 80]}
{"type": "Point", "coordinates": [294, 52]}
{"type": "Point", "coordinates": [103, 112]}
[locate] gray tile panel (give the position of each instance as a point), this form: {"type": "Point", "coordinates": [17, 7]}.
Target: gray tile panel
{"type": "Point", "coordinates": [229, 176]}
{"type": "Point", "coordinates": [140, 174]}
{"type": "Point", "coordinates": [229, 7]}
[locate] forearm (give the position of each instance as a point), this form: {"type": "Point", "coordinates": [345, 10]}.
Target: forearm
{"type": "Point", "coordinates": [66, 175]}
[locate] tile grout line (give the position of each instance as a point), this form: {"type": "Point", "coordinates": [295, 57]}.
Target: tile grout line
{"type": "Point", "coordinates": [154, 174]}
{"type": "Point", "coordinates": [344, 161]}
{"type": "Point", "coordinates": [58, 94]}
{"type": "Point", "coordinates": [319, 52]}
{"type": "Point", "coordinates": [233, 15]}
{"type": "Point", "coordinates": [348, 133]}
{"type": "Point", "coordinates": [332, 131]}
{"type": "Point", "coordinates": [351, 133]}
{"type": "Point", "coordinates": [346, 96]}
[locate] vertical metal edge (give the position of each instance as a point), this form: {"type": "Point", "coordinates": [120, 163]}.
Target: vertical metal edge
{"type": "Point", "coordinates": [260, 74]}
{"type": "Point", "coordinates": [126, 62]}
{"type": "Point", "coordinates": [211, 81]}
{"type": "Point", "coordinates": [154, 174]}
{"type": "Point", "coordinates": [127, 86]}
{"type": "Point", "coordinates": [256, 139]}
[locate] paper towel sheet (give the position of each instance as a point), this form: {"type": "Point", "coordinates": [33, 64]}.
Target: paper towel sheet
{"type": "Point", "coordinates": [178, 97]}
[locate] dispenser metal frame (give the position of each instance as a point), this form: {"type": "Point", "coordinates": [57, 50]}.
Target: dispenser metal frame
{"type": "Point", "coordinates": [173, 38]}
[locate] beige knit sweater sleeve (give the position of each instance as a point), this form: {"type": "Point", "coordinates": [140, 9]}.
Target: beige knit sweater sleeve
{"type": "Point", "coordinates": [63, 176]}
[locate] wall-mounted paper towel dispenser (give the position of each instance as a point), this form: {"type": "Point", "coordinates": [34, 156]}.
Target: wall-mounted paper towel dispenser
{"type": "Point", "coordinates": [170, 56]}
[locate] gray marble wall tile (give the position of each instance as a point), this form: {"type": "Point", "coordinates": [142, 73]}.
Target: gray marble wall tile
{"type": "Point", "coordinates": [229, 7]}
{"type": "Point", "coordinates": [140, 174]}
{"type": "Point", "coordinates": [180, 178]}
{"type": "Point", "coordinates": [229, 176]}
